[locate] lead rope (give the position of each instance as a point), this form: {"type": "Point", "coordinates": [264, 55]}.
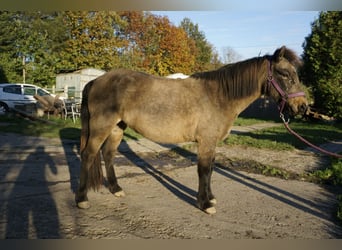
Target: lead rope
{"type": "Point", "coordinates": [286, 124]}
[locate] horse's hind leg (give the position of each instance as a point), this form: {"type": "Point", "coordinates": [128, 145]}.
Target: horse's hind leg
{"type": "Point", "coordinates": [90, 158]}
{"type": "Point", "coordinates": [108, 151]}
{"type": "Point", "coordinates": [205, 198]}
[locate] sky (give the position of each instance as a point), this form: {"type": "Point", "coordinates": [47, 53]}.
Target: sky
{"type": "Point", "coordinates": [250, 33]}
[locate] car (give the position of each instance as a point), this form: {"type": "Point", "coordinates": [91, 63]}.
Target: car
{"type": "Point", "coordinates": [16, 94]}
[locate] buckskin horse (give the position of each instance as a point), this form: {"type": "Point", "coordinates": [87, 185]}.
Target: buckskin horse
{"type": "Point", "coordinates": [201, 108]}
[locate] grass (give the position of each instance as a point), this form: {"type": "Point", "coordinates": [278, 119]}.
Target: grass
{"type": "Point", "coordinates": [278, 138]}
{"type": "Point", "coordinates": [333, 176]}
{"type": "Point", "coordinates": [240, 121]}
{"type": "Point", "coordinates": [50, 128]}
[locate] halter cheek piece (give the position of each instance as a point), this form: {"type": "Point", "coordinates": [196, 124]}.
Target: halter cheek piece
{"type": "Point", "coordinates": [284, 96]}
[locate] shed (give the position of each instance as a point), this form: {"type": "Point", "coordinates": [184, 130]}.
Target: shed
{"type": "Point", "coordinates": [73, 83]}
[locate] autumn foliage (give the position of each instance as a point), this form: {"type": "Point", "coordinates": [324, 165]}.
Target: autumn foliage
{"type": "Point", "coordinates": [57, 42]}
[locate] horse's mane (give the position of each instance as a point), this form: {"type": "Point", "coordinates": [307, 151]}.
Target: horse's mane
{"type": "Point", "coordinates": [236, 80]}
{"type": "Point", "coordinates": [239, 80]}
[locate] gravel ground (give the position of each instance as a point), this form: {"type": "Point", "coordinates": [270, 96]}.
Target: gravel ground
{"type": "Point", "coordinates": [38, 178]}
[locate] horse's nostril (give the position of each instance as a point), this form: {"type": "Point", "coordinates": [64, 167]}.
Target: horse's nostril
{"type": "Point", "coordinates": [303, 108]}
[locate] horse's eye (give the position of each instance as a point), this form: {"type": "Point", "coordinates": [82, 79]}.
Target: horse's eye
{"type": "Point", "coordinates": [283, 74]}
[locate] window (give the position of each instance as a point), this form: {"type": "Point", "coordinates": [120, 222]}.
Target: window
{"type": "Point", "coordinates": [28, 90]}
{"type": "Point", "coordinates": [13, 90]}
{"type": "Point", "coordinates": [42, 92]}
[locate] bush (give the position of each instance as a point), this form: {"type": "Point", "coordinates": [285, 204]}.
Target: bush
{"type": "Point", "coordinates": [322, 70]}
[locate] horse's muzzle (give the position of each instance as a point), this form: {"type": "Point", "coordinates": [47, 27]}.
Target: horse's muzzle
{"type": "Point", "coordinates": [303, 109]}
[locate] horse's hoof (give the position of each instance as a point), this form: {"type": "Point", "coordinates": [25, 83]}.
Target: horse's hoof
{"type": "Point", "coordinates": [213, 201]}
{"type": "Point", "coordinates": [120, 194]}
{"type": "Point", "coordinates": [210, 210]}
{"type": "Point", "coordinates": [83, 204]}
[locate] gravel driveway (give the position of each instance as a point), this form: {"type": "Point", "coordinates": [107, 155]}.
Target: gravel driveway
{"type": "Point", "coordinates": [38, 178]}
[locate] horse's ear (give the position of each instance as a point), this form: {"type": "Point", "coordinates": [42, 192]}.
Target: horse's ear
{"type": "Point", "coordinates": [279, 54]}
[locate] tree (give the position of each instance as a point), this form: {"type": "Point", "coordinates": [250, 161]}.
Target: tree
{"type": "Point", "coordinates": [10, 62]}
{"type": "Point", "coordinates": [53, 42]}
{"type": "Point", "coordinates": [29, 37]}
{"type": "Point", "coordinates": [43, 37]}
{"type": "Point", "coordinates": [3, 77]}
{"type": "Point", "coordinates": [204, 50]}
{"type": "Point", "coordinates": [155, 45]}
{"type": "Point", "coordinates": [93, 40]}
{"type": "Point", "coordinates": [230, 55]}
{"type": "Point", "coordinates": [322, 58]}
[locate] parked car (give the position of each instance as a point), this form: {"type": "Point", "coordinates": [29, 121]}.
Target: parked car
{"type": "Point", "coordinates": [15, 94]}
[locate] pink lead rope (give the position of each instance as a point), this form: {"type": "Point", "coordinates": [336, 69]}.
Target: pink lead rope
{"type": "Point", "coordinates": [286, 124]}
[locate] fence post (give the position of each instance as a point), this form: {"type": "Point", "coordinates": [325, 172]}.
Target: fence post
{"type": "Point", "coordinates": [66, 91]}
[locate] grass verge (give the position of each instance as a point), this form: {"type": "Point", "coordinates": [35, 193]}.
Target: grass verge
{"type": "Point", "coordinates": [278, 138]}
{"type": "Point", "coordinates": [51, 128]}
{"type": "Point", "coordinates": [333, 176]}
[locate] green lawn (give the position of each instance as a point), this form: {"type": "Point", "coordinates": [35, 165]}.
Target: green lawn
{"type": "Point", "coordinates": [278, 138]}
{"type": "Point", "coordinates": [274, 138]}
{"type": "Point", "coordinates": [51, 128]}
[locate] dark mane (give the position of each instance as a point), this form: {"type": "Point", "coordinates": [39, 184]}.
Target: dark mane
{"type": "Point", "coordinates": [292, 57]}
{"type": "Point", "coordinates": [236, 80]}
{"type": "Point", "coordinates": [239, 80]}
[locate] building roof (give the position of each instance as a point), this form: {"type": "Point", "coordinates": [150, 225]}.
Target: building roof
{"type": "Point", "coordinates": [86, 71]}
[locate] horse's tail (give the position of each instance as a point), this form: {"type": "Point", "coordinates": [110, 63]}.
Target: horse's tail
{"type": "Point", "coordinates": [95, 175]}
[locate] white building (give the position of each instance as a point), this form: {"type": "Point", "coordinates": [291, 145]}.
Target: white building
{"type": "Point", "coordinates": [72, 84]}
{"type": "Point", "coordinates": [177, 76]}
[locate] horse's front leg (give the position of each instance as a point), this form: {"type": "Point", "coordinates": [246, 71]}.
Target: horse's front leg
{"type": "Point", "coordinates": [205, 198]}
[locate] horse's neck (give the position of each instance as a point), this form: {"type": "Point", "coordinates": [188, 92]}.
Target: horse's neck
{"type": "Point", "coordinates": [240, 104]}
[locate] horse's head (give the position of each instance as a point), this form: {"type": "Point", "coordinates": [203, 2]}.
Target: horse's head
{"type": "Point", "coordinates": [284, 85]}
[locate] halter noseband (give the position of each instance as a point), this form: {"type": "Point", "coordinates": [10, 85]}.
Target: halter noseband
{"type": "Point", "coordinates": [284, 96]}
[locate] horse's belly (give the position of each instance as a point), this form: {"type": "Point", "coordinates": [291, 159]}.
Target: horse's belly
{"type": "Point", "coordinates": [163, 129]}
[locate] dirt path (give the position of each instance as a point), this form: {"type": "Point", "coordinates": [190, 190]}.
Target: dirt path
{"type": "Point", "coordinates": [38, 178]}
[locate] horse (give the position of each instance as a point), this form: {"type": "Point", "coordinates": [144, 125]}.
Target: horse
{"type": "Point", "coordinates": [200, 108]}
